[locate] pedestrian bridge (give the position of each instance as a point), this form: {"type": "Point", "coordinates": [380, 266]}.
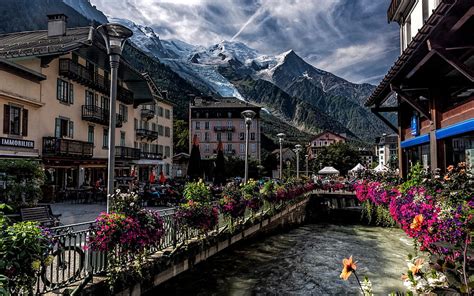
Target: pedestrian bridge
{"type": "Point", "coordinates": [181, 249]}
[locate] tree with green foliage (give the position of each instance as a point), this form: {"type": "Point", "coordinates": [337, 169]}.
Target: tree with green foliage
{"type": "Point", "coordinates": [24, 179]}
{"type": "Point", "coordinates": [180, 136]}
{"type": "Point", "coordinates": [270, 163]}
{"type": "Point", "coordinates": [195, 166]}
{"type": "Point", "coordinates": [341, 156]}
{"type": "Point", "coordinates": [219, 170]}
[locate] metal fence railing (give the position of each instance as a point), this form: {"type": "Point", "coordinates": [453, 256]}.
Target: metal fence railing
{"type": "Point", "coordinates": [70, 260]}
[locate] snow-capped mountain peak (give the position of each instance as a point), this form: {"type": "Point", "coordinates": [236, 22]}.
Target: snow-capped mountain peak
{"type": "Point", "coordinates": [146, 39]}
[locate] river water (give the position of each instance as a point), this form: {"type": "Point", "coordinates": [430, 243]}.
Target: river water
{"type": "Point", "coordinates": [302, 261]}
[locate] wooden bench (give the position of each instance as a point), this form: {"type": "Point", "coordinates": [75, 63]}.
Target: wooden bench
{"type": "Point", "coordinates": [43, 215]}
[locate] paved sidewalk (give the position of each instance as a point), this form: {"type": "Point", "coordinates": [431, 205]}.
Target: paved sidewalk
{"type": "Point", "coordinates": [78, 213]}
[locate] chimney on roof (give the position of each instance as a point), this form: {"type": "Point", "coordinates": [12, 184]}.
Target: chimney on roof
{"type": "Point", "coordinates": [57, 24]}
{"type": "Point", "coordinates": [164, 94]}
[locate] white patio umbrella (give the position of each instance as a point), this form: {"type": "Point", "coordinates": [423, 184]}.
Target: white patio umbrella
{"type": "Point", "coordinates": [380, 168]}
{"type": "Point", "coordinates": [328, 171]}
{"type": "Point", "coordinates": [357, 168]}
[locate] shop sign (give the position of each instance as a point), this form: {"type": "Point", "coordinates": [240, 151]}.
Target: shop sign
{"type": "Point", "coordinates": [17, 143]}
{"type": "Point", "coordinates": [415, 125]}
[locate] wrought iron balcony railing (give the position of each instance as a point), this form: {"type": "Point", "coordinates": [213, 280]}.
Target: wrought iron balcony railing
{"type": "Point", "coordinates": [127, 153]}
{"type": "Point", "coordinates": [147, 112]}
{"type": "Point", "coordinates": [146, 133]}
{"type": "Point", "coordinates": [67, 148]}
{"type": "Point", "coordinates": [99, 115]}
{"type": "Point", "coordinates": [224, 128]}
{"type": "Point", "coordinates": [79, 73]}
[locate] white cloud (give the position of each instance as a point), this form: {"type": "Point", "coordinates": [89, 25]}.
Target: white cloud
{"type": "Point", "coordinates": [347, 37]}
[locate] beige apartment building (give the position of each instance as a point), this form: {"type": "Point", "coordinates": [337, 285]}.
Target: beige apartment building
{"type": "Point", "coordinates": [54, 88]}
{"type": "Point", "coordinates": [153, 123]}
{"type": "Point", "coordinates": [214, 120]}
{"type": "Point", "coordinates": [325, 139]}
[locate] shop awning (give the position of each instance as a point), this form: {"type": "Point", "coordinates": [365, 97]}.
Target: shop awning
{"type": "Point", "coordinates": [456, 129]}
{"type": "Point", "coordinates": [415, 141]}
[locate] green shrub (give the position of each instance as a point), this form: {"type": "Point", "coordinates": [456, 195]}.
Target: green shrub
{"type": "Point", "coordinates": [23, 247]}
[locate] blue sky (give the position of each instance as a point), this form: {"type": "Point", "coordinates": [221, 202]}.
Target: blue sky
{"type": "Point", "coordinates": [350, 38]}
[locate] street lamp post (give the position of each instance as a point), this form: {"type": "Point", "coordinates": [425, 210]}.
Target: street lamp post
{"type": "Point", "coordinates": [114, 36]}
{"type": "Point", "coordinates": [306, 157]}
{"type": "Point", "coordinates": [248, 115]}
{"type": "Point", "coordinates": [281, 136]}
{"type": "Point", "coordinates": [297, 150]}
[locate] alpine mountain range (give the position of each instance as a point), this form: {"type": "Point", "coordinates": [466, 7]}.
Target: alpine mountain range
{"type": "Point", "coordinates": [295, 96]}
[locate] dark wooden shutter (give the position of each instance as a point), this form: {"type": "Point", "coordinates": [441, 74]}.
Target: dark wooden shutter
{"type": "Point", "coordinates": [71, 93]}
{"type": "Point", "coordinates": [71, 129]}
{"type": "Point", "coordinates": [24, 123]}
{"type": "Point", "coordinates": [6, 119]}
{"type": "Point", "coordinates": [58, 89]}
{"type": "Point", "coordinates": [57, 128]}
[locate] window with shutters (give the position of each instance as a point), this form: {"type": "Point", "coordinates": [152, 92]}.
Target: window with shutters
{"type": "Point", "coordinates": [65, 91]}
{"type": "Point", "coordinates": [229, 136]}
{"type": "Point", "coordinates": [160, 130]}
{"type": "Point", "coordinates": [168, 132]}
{"type": "Point", "coordinates": [167, 113]}
{"type": "Point", "coordinates": [160, 111]}
{"type": "Point", "coordinates": [104, 103]}
{"type": "Point", "coordinates": [90, 98]}
{"type": "Point", "coordinates": [123, 111]}
{"type": "Point", "coordinates": [242, 136]}
{"type": "Point", "coordinates": [15, 120]}
{"type": "Point", "coordinates": [167, 151]}
{"type": "Point", "coordinates": [206, 125]}
{"type": "Point", "coordinates": [64, 128]}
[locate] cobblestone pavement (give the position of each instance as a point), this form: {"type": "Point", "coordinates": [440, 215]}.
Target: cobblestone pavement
{"type": "Point", "coordinates": [72, 213]}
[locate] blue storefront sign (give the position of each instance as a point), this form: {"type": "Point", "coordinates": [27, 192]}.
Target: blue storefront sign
{"type": "Point", "coordinates": [415, 127]}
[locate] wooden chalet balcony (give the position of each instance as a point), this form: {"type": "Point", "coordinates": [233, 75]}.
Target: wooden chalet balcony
{"type": "Point", "coordinates": [67, 148]}
{"type": "Point", "coordinates": [224, 128]}
{"type": "Point", "coordinates": [127, 153]}
{"type": "Point", "coordinates": [151, 155]}
{"type": "Point", "coordinates": [147, 133]}
{"type": "Point", "coordinates": [99, 115]}
{"type": "Point", "coordinates": [79, 73]}
{"type": "Point", "coordinates": [124, 95]}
